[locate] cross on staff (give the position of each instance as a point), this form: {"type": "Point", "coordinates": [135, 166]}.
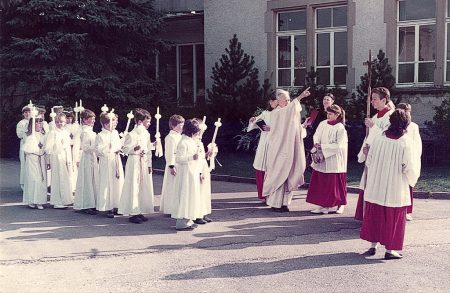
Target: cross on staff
{"type": "Point", "coordinates": [369, 63]}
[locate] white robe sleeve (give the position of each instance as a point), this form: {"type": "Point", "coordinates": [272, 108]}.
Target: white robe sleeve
{"type": "Point", "coordinates": [129, 143]}
{"type": "Point", "coordinates": [150, 147]}
{"type": "Point", "coordinates": [31, 144]}
{"type": "Point", "coordinates": [102, 146]}
{"type": "Point", "coordinates": [252, 126]}
{"type": "Point", "coordinates": [318, 133]}
{"type": "Point", "coordinates": [21, 129]}
{"type": "Point", "coordinates": [52, 146]}
{"type": "Point", "coordinates": [182, 156]}
{"type": "Point", "coordinates": [332, 149]}
{"type": "Point", "coordinates": [87, 142]}
{"type": "Point", "coordinates": [170, 150]}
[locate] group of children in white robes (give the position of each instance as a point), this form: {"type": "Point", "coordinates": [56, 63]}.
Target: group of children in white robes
{"type": "Point", "coordinates": [101, 183]}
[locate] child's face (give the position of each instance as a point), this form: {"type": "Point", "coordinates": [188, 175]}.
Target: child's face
{"type": "Point", "coordinates": [327, 102]}
{"type": "Point", "coordinates": [146, 123]}
{"type": "Point", "coordinates": [89, 121]}
{"type": "Point", "coordinates": [26, 114]}
{"type": "Point", "coordinates": [60, 122]}
{"type": "Point", "coordinates": [38, 126]}
{"type": "Point", "coordinates": [69, 120]}
{"type": "Point", "coordinates": [273, 104]}
{"type": "Point", "coordinates": [179, 127]}
{"type": "Point", "coordinates": [115, 122]}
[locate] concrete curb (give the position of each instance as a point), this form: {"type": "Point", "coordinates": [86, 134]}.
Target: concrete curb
{"type": "Point", "coordinates": [351, 189]}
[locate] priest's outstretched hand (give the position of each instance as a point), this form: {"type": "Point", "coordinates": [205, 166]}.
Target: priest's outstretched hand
{"type": "Point", "coordinates": [304, 94]}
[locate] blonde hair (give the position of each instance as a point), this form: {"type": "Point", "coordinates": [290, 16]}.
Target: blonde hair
{"type": "Point", "coordinates": [283, 92]}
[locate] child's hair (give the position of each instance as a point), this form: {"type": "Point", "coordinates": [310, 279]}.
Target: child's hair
{"type": "Point", "coordinates": [104, 119]}
{"type": "Point", "coordinates": [69, 114]}
{"type": "Point", "coordinates": [58, 109]}
{"type": "Point", "coordinates": [41, 110]}
{"type": "Point", "coordinates": [338, 111]}
{"type": "Point", "coordinates": [330, 95]}
{"type": "Point", "coordinates": [59, 116]}
{"type": "Point", "coordinates": [272, 97]}
{"type": "Point", "coordinates": [174, 120]}
{"type": "Point", "coordinates": [25, 109]}
{"type": "Point", "coordinates": [30, 124]}
{"type": "Point", "coordinates": [383, 92]}
{"type": "Point", "coordinates": [86, 114]}
{"type": "Point", "coordinates": [141, 114]}
{"type": "Point", "coordinates": [404, 106]}
{"type": "Point", "coordinates": [191, 127]}
{"type": "Point", "coordinates": [399, 122]}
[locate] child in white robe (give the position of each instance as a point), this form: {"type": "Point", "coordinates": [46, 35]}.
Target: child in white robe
{"type": "Point", "coordinates": [137, 194]}
{"type": "Point", "coordinates": [74, 130]}
{"type": "Point", "coordinates": [35, 183]}
{"type": "Point", "coordinates": [111, 176]}
{"type": "Point", "coordinates": [57, 147]}
{"type": "Point", "coordinates": [413, 133]}
{"type": "Point", "coordinates": [168, 202]}
{"type": "Point", "coordinates": [86, 192]}
{"type": "Point", "coordinates": [188, 179]}
{"type": "Point", "coordinates": [21, 130]}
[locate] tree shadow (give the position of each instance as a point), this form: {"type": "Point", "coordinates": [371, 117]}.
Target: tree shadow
{"type": "Point", "coordinates": [250, 269]}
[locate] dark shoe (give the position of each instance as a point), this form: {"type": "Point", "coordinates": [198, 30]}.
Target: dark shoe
{"type": "Point", "coordinates": [190, 228]}
{"type": "Point", "coordinates": [200, 221]}
{"type": "Point", "coordinates": [388, 256]}
{"type": "Point", "coordinates": [284, 209]}
{"type": "Point", "coordinates": [194, 225]}
{"type": "Point", "coordinates": [277, 210]}
{"type": "Point", "coordinates": [135, 219]}
{"type": "Point", "coordinates": [115, 211]}
{"type": "Point", "coordinates": [110, 215]}
{"type": "Point", "coordinates": [371, 251]}
{"type": "Point", "coordinates": [90, 211]}
{"type": "Point", "coordinates": [144, 219]}
{"type": "Point", "coordinates": [207, 219]}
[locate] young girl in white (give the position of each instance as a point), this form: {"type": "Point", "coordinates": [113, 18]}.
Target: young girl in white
{"type": "Point", "coordinates": [137, 195]}
{"type": "Point", "coordinates": [168, 203]}
{"type": "Point", "coordinates": [35, 183]}
{"type": "Point", "coordinates": [57, 147]}
{"type": "Point", "coordinates": [21, 130]}
{"type": "Point", "coordinates": [86, 191]}
{"type": "Point", "coordinates": [188, 179]}
{"type": "Point", "coordinates": [111, 175]}
{"type": "Point", "coordinates": [74, 130]}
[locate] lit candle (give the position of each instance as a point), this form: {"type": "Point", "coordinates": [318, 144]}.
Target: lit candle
{"type": "Point", "coordinates": [204, 119]}
{"type": "Point", "coordinates": [52, 114]}
{"type": "Point", "coordinates": [76, 109]}
{"type": "Point", "coordinates": [129, 116]}
{"type": "Point", "coordinates": [33, 116]}
{"type": "Point", "coordinates": [217, 124]}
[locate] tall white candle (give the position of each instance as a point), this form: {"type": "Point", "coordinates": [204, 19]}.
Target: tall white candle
{"type": "Point", "coordinates": [33, 116]}
{"type": "Point", "coordinates": [157, 117]}
{"type": "Point", "coordinates": [129, 116]}
{"type": "Point", "coordinates": [217, 124]}
{"type": "Point", "coordinates": [76, 109]}
{"type": "Point", "coordinates": [204, 119]}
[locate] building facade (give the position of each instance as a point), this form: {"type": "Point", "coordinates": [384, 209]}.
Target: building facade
{"type": "Point", "coordinates": [287, 37]}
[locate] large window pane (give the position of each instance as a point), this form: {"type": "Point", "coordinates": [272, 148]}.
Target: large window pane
{"type": "Point", "coordinates": [284, 77]}
{"type": "Point", "coordinates": [340, 16]}
{"type": "Point", "coordinates": [299, 77]}
{"type": "Point", "coordinates": [340, 75]}
{"type": "Point", "coordinates": [323, 49]}
{"type": "Point", "coordinates": [427, 43]}
{"type": "Point", "coordinates": [405, 73]}
{"type": "Point", "coordinates": [186, 76]}
{"type": "Point", "coordinates": [448, 8]}
{"type": "Point", "coordinates": [289, 21]}
{"type": "Point", "coordinates": [340, 48]}
{"type": "Point", "coordinates": [200, 72]}
{"type": "Point", "coordinates": [323, 18]}
{"type": "Point", "coordinates": [406, 37]}
{"type": "Point", "coordinates": [426, 72]}
{"type": "Point", "coordinates": [448, 71]}
{"type": "Point", "coordinates": [300, 51]}
{"type": "Point", "coordinates": [417, 9]}
{"type": "Point", "coordinates": [284, 52]}
{"type": "Point", "coordinates": [323, 76]}
{"type": "Point", "coordinates": [168, 66]}
{"type": "Point", "coordinates": [448, 40]}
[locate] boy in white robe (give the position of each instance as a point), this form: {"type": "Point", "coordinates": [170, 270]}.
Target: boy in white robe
{"type": "Point", "coordinates": [86, 192]}
{"type": "Point", "coordinates": [381, 97]}
{"type": "Point", "coordinates": [57, 147]}
{"type": "Point", "coordinates": [413, 133]}
{"type": "Point", "coordinates": [188, 179]}
{"type": "Point", "coordinates": [111, 177]}
{"type": "Point", "coordinates": [168, 202]}
{"type": "Point", "coordinates": [35, 183]}
{"type": "Point", "coordinates": [55, 111]}
{"type": "Point", "coordinates": [137, 194]}
{"type": "Point", "coordinates": [21, 130]}
{"type": "Point", "coordinates": [74, 130]}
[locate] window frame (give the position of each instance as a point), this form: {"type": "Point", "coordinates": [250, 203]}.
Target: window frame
{"type": "Point", "coordinates": [447, 55]}
{"type": "Point", "coordinates": [416, 24]}
{"type": "Point", "coordinates": [331, 31]}
{"type": "Point", "coordinates": [291, 34]}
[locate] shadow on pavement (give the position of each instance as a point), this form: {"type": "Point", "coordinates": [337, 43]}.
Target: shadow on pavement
{"type": "Point", "coordinates": [242, 270]}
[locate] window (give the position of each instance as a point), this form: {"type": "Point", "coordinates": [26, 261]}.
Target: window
{"type": "Point", "coordinates": [331, 45]}
{"type": "Point", "coordinates": [447, 79]}
{"type": "Point", "coordinates": [416, 41]}
{"type": "Point", "coordinates": [291, 48]}
{"type": "Point", "coordinates": [183, 66]}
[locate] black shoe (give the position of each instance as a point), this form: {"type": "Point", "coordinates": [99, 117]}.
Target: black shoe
{"type": "Point", "coordinates": [115, 211]}
{"type": "Point", "coordinates": [110, 215]}
{"type": "Point", "coordinates": [89, 211]}
{"type": "Point", "coordinates": [135, 219]}
{"type": "Point", "coordinates": [388, 256]}
{"type": "Point", "coordinates": [284, 209]}
{"type": "Point", "coordinates": [277, 210]}
{"type": "Point", "coordinates": [207, 219]}
{"type": "Point", "coordinates": [141, 216]}
{"type": "Point", "coordinates": [189, 228]}
{"type": "Point", "coordinates": [200, 221]}
{"type": "Point", "coordinates": [371, 251]}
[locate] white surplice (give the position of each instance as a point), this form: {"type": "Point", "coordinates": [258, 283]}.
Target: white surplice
{"type": "Point", "coordinates": [137, 193]}
{"type": "Point", "coordinates": [58, 149]}
{"type": "Point", "coordinates": [413, 133]}
{"type": "Point", "coordinates": [35, 183]}
{"type": "Point", "coordinates": [168, 200]}
{"type": "Point", "coordinates": [21, 130]}
{"type": "Point", "coordinates": [261, 151]}
{"type": "Point", "coordinates": [187, 181]}
{"type": "Point", "coordinates": [86, 192]}
{"type": "Point", "coordinates": [111, 177]}
{"type": "Point", "coordinates": [205, 185]}
{"type": "Point", "coordinates": [74, 130]}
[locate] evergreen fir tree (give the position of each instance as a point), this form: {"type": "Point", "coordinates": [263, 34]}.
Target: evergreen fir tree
{"type": "Point", "coordinates": [236, 90]}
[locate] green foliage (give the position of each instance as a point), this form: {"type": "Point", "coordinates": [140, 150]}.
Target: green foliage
{"type": "Point", "coordinates": [440, 128]}
{"type": "Point", "coordinates": [381, 76]}
{"type": "Point", "coordinates": [248, 141]}
{"type": "Point", "coordinates": [236, 90]}
{"type": "Point", "coordinates": [60, 51]}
